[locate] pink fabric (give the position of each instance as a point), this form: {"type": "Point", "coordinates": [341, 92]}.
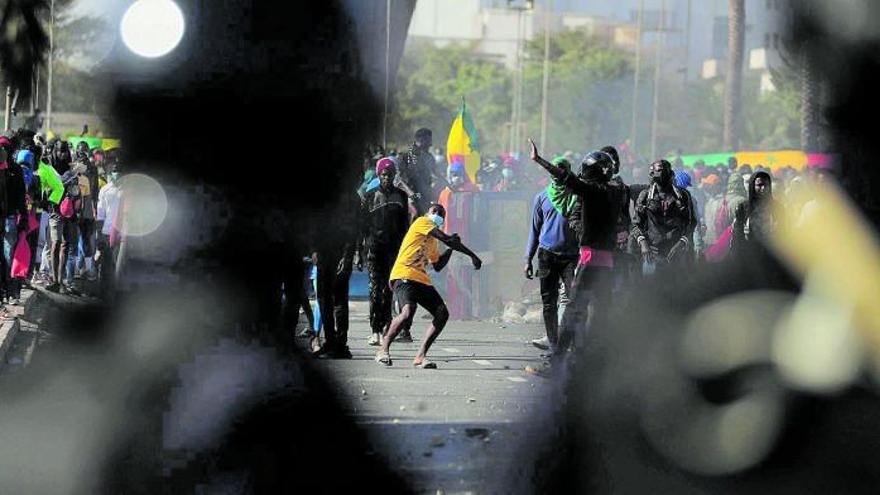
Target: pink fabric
{"type": "Point", "coordinates": [21, 258]}
{"type": "Point", "coordinates": [384, 164]}
{"type": "Point", "coordinates": [461, 279]}
{"type": "Point", "coordinates": [4, 165]}
{"type": "Point", "coordinates": [718, 251]}
{"type": "Point", "coordinates": [596, 257]}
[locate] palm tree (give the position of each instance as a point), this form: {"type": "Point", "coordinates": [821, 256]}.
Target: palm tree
{"type": "Point", "coordinates": [23, 42]}
{"type": "Point", "coordinates": [736, 18]}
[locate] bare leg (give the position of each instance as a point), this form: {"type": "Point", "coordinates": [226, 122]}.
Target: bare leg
{"type": "Point", "coordinates": [397, 324]}
{"type": "Point", "coordinates": [441, 316]}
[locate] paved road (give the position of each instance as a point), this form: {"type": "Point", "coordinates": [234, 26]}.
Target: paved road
{"type": "Point", "coordinates": [468, 426]}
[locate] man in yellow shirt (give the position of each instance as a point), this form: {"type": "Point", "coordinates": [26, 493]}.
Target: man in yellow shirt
{"type": "Point", "coordinates": [412, 285]}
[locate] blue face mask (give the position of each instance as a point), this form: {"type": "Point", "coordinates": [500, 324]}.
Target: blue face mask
{"type": "Point", "coordinates": [437, 219]}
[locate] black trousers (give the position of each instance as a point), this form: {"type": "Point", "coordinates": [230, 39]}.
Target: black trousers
{"type": "Point", "coordinates": [379, 264]}
{"type": "Point", "coordinates": [333, 282]}
{"type": "Point", "coordinates": [588, 306]}
{"type": "Point", "coordinates": [551, 269]}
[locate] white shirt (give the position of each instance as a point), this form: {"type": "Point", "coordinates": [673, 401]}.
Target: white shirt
{"type": "Point", "coordinates": [108, 203]}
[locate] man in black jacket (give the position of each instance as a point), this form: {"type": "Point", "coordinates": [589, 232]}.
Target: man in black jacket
{"type": "Point", "coordinates": [664, 222]}
{"type": "Point", "coordinates": [385, 222]}
{"type": "Point", "coordinates": [601, 204]}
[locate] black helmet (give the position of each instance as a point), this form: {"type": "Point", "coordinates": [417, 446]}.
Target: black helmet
{"type": "Point", "coordinates": [597, 164]}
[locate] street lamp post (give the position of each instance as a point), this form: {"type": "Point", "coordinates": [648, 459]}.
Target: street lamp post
{"type": "Point", "coordinates": [657, 60]}
{"type": "Point", "coordinates": [638, 68]}
{"type": "Point", "coordinates": [516, 106]}
{"type": "Point", "coordinates": [546, 82]}
{"type": "Point", "coordinates": [51, 63]}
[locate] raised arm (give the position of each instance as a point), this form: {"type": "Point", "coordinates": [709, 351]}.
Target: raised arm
{"type": "Point", "coordinates": [557, 172]}
{"type": "Point", "coordinates": [571, 181]}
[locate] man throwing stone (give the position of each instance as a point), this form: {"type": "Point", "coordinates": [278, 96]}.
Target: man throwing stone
{"type": "Point", "coordinates": [412, 285]}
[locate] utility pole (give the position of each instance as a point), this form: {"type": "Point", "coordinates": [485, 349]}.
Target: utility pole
{"type": "Point", "coordinates": [517, 86]}
{"type": "Point", "coordinates": [51, 63]}
{"type": "Point", "coordinates": [546, 83]}
{"type": "Point", "coordinates": [8, 120]}
{"type": "Point", "coordinates": [635, 98]}
{"type": "Point", "coordinates": [387, 73]}
{"type": "Point", "coordinates": [687, 44]}
{"type": "Point", "coordinates": [657, 59]}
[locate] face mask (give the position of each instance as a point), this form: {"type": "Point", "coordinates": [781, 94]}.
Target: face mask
{"type": "Point", "coordinates": [659, 177]}
{"type": "Point", "coordinates": [437, 219]}
{"type": "Point", "coordinates": [113, 176]}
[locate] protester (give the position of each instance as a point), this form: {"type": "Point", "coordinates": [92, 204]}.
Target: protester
{"type": "Point", "coordinates": [713, 192]}
{"type": "Point", "coordinates": [69, 211]}
{"type": "Point", "coordinates": [15, 221]}
{"type": "Point", "coordinates": [107, 214]}
{"type": "Point", "coordinates": [334, 258]}
{"type": "Point", "coordinates": [683, 181]}
{"type": "Point", "coordinates": [757, 219]}
{"type": "Point", "coordinates": [624, 262]}
{"type": "Point", "coordinates": [412, 285]}
{"type": "Point", "coordinates": [601, 202]}
{"type": "Point", "coordinates": [385, 223]}
{"type": "Point", "coordinates": [555, 242]}
{"type": "Point", "coordinates": [663, 224]}
{"type": "Point", "coordinates": [489, 175]}
{"type": "Point", "coordinates": [417, 171]}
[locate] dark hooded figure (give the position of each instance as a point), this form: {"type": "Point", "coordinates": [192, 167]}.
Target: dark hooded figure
{"type": "Point", "coordinates": [384, 223]}
{"type": "Point", "coordinates": [663, 223]}
{"type": "Point", "coordinates": [417, 171]}
{"type": "Point", "coordinates": [600, 203]}
{"type": "Point", "coordinates": [755, 219]}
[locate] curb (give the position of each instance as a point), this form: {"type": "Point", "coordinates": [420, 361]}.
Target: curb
{"type": "Point", "coordinates": [9, 329]}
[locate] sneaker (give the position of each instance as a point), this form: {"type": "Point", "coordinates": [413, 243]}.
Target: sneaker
{"type": "Point", "coordinates": [404, 336]}
{"type": "Point", "coordinates": [53, 287]}
{"type": "Point", "coordinates": [543, 343]}
{"type": "Point", "coordinates": [375, 339]}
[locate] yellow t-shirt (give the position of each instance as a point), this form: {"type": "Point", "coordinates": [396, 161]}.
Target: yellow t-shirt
{"type": "Point", "coordinates": [417, 250]}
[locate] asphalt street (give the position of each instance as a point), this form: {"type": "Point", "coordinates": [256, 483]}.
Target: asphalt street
{"type": "Point", "coordinates": [472, 425]}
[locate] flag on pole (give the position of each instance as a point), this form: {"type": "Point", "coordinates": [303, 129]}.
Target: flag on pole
{"type": "Point", "coordinates": [463, 145]}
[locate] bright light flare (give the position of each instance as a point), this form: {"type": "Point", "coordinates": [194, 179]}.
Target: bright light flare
{"type": "Point", "coordinates": [146, 204]}
{"type": "Point", "coordinates": [152, 28]}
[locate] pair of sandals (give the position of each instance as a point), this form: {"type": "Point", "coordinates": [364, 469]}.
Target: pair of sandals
{"type": "Point", "coordinates": [385, 358]}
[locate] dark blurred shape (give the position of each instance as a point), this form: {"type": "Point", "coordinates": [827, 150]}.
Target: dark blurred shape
{"type": "Point", "coordinates": [23, 42]}
{"type": "Point", "coordinates": [682, 393]}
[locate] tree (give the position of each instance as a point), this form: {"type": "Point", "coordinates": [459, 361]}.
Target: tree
{"type": "Point", "coordinates": [589, 91]}
{"type": "Point", "coordinates": [431, 83]}
{"type": "Point", "coordinates": [733, 87]}
{"type": "Point", "coordinates": [23, 41]}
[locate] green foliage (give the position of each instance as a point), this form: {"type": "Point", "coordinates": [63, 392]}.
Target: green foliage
{"type": "Point", "coordinates": [430, 85]}
{"type": "Point", "coordinates": [589, 99]}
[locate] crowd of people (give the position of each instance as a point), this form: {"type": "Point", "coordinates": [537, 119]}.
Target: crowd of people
{"type": "Point", "coordinates": [61, 215]}
{"type": "Point", "coordinates": [594, 229]}
{"type": "Point", "coordinates": [595, 232]}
